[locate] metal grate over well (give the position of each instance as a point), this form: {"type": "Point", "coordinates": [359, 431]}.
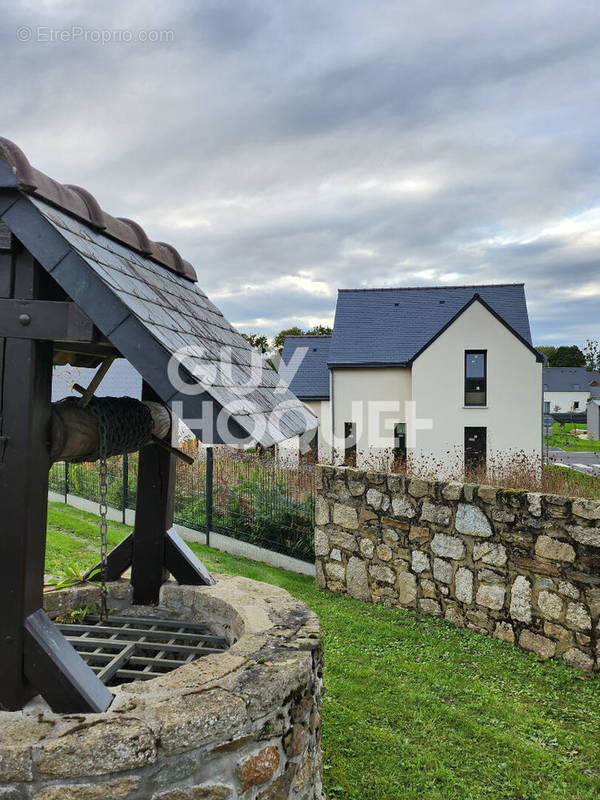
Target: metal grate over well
{"type": "Point", "coordinates": [124, 649]}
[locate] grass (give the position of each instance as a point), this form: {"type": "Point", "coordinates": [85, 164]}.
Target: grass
{"type": "Point", "coordinates": [416, 708]}
{"type": "Point", "coordinates": [73, 538]}
{"type": "Point", "coordinates": [571, 482]}
{"type": "Point", "coordinates": [564, 439]}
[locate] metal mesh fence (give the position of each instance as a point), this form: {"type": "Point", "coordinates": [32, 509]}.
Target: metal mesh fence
{"type": "Point", "coordinates": [253, 498]}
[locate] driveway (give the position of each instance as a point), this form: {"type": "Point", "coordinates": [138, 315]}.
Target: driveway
{"type": "Point", "coordinates": [588, 463]}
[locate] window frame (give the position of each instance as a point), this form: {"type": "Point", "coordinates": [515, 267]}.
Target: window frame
{"type": "Point", "coordinates": [350, 436]}
{"type": "Point", "coordinates": [399, 450]}
{"type": "Point", "coordinates": [485, 379]}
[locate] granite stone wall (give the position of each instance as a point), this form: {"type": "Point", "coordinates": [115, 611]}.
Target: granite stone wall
{"type": "Point", "coordinates": [243, 724]}
{"type": "Point", "coordinates": [520, 566]}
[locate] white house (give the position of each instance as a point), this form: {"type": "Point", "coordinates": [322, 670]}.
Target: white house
{"type": "Point", "coordinates": [304, 365]}
{"type": "Point", "coordinates": [567, 389]}
{"type": "Point", "coordinates": [593, 417]}
{"type": "Point", "coordinates": [445, 376]}
{"type": "Point", "coordinates": [120, 380]}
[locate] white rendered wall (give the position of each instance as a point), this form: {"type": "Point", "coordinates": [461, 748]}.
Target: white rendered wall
{"type": "Point", "coordinates": [288, 451]}
{"type": "Point", "coordinates": [374, 400]}
{"type": "Point", "coordinates": [322, 411]}
{"type": "Point", "coordinates": [514, 391]}
{"type": "Point", "coordinates": [593, 420]}
{"type": "Point", "coordinates": [565, 400]}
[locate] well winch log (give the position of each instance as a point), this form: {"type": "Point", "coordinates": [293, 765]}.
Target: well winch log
{"type": "Point", "coordinates": [75, 428]}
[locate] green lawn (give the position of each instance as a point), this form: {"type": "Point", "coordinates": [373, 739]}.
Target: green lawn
{"type": "Point", "coordinates": [414, 707]}
{"type": "Point", "coordinates": [570, 482]}
{"type": "Point", "coordinates": [563, 438]}
{"type": "Point", "coordinates": [73, 537]}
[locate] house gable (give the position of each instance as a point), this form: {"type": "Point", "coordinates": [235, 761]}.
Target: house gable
{"type": "Point", "coordinates": [388, 327]}
{"type": "Point", "coordinates": [478, 299]}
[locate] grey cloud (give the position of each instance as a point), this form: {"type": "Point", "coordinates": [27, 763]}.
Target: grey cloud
{"type": "Point", "coordinates": [275, 139]}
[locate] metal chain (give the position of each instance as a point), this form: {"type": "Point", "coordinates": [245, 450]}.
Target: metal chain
{"type": "Point", "coordinates": [103, 523]}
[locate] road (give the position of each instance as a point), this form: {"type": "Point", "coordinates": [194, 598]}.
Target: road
{"type": "Point", "coordinates": [588, 463]}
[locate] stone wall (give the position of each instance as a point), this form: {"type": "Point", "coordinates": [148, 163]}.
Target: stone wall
{"type": "Point", "coordinates": [240, 724]}
{"type": "Point", "coordinates": [520, 566]}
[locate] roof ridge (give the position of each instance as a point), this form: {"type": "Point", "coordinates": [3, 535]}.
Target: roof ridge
{"type": "Point", "coordinates": [421, 288]}
{"type": "Point", "coordinates": [585, 369]}
{"type": "Point", "coordinates": [79, 203]}
{"type": "Point", "coordinates": [309, 336]}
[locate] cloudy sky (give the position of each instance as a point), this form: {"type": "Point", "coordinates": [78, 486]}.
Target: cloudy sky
{"type": "Point", "coordinates": [291, 147]}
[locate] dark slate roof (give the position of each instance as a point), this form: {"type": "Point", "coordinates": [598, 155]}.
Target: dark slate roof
{"type": "Point", "coordinates": [390, 326]}
{"type": "Point", "coordinates": [150, 311]}
{"type": "Point", "coordinates": [310, 381]}
{"type": "Point", "coordinates": [564, 379]}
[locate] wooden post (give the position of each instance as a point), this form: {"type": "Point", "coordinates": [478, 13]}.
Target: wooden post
{"type": "Point", "coordinates": [24, 464]}
{"type": "Point", "coordinates": [153, 517]}
{"type": "Point", "coordinates": [125, 498]}
{"type": "Point", "coordinates": [209, 491]}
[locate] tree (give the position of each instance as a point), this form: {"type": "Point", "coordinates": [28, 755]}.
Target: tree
{"type": "Point", "coordinates": [280, 338]}
{"type": "Point", "coordinates": [591, 352]}
{"type": "Point", "coordinates": [546, 350]}
{"type": "Point", "coordinates": [567, 356]}
{"type": "Point", "coordinates": [319, 330]}
{"type": "Point", "coordinates": [261, 343]}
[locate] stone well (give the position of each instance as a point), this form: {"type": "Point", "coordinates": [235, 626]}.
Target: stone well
{"type": "Point", "coordinates": [240, 724]}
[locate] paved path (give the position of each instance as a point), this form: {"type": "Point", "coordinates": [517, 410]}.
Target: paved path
{"type": "Point", "coordinates": [588, 463]}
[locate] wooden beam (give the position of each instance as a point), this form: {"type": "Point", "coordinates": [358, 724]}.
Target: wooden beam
{"type": "Point", "coordinates": [96, 380]}
{"type": "Point", "coordinates": [183, 564]}
{"type": "Point", "coordinates": [153, 516]}
{"type": "Point", "coordinates": [54, 667]}
{"type": "Point", "coordinates": [118, 560]}
{"type": "Point", "coordinates": [44, 319]}
{"type": "Point", "coordinates": [24, 419]}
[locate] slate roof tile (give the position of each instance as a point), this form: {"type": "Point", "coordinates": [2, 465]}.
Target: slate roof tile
{"type": "Point", "coordinates": [389, 326]}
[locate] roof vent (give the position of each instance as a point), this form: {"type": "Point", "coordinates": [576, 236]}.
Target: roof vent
{"type": "Point", "coordinates": [441, 302]}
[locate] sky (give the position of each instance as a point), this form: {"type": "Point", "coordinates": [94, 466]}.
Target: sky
{"type": "Point", "coordinates": [291, 148]}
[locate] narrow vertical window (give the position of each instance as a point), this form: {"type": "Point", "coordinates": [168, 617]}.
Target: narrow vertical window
{"type": "Point", "coordinates": [310, 455]}
{"type": "Point", "coordinates": [475, 453]}
{"type": "Point", "coordinates": [399, 443]}
{"type": "Point", "coordinates": [314, 447]}
{"type": "Point", "coordinates": [475, 378]}
{"type": "Point", "coordinates": [350, 444]}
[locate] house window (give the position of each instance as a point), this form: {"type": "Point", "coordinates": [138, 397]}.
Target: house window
{"type": "Point", "coordinates": [350, 444]}
{"type": "Point", "coordinates": [546, 406]}
{"type": "Point", "coordinates": [545, 387]}
{"type": "Point", "coordinates": [475, 377]}
{"type": "Point", "coordinates": [400, 442]}
{"type": "Point", "coordinates": [575, 405]}
{"type": "Point", "coordinates": [475, 452]}
{"type": "Point", "coordinates": [311, 455]}
{"type": "Point", "coordinates": [576, 387]}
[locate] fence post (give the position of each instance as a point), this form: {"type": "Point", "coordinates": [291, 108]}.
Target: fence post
{"type": "Point", "coordinates": [209, 491]}
{"type": "Point", "coordinates": [66, 482]}
{"type": "Point", "coordinates": [125, 498]}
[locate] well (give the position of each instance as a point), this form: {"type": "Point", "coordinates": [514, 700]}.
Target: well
{"type": "Point", "coordinates": [244, 723]}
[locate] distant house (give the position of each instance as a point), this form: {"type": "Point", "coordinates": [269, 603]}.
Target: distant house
{"type": "Point", "coordinates": [453, 367]}
{"type": "Point", "coordinates": [311, 385]}
{"type": "Point", "coordinates": [567, 389]}
{"type": "Point", "coordinates": [121, 380]}
{"type": "Point", "coordinates": [593, 417]}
